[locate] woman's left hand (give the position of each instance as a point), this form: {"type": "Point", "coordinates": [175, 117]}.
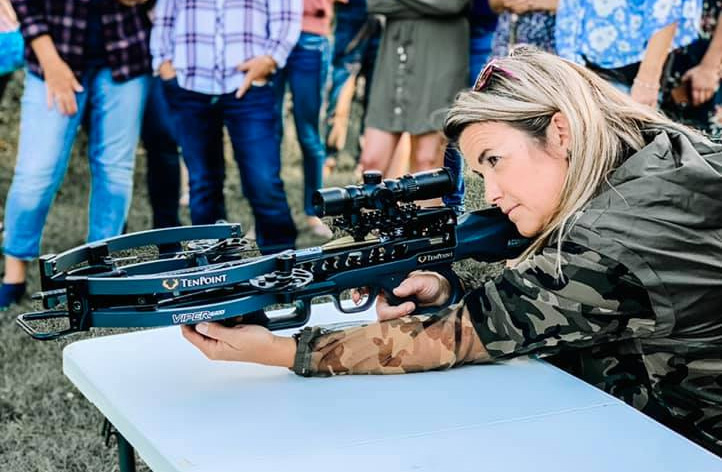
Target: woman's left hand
{"type": "Point", "coordinates": [703, 81]}
{"type": "Point", "coordinates": [245, 343]}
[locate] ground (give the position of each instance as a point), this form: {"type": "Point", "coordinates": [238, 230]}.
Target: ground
{"type": "Point", "coordinates": [45, 423]}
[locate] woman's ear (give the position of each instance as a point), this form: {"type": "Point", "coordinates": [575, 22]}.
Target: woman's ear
{"type": "Point", "coordinates": [559, 134]}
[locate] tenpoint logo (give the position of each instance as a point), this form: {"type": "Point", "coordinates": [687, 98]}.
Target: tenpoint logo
{"type": "Point", "coordinates": [431, 258]}
{"type": "Point", "coordinates": [170, 284]}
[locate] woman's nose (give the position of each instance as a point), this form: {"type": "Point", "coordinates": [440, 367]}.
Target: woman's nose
{"type": "Point", "coordinates": [492, 192]}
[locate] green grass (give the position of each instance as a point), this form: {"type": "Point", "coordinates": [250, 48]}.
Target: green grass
{"type": "Point", "coordinates": [45, 423]}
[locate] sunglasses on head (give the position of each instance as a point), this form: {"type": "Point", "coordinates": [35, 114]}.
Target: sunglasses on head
{"type": "Point", "coordinates": [484, 77]}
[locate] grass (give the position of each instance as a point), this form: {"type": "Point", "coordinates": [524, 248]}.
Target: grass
{"type": "Point", "coordinates": [45, 423]}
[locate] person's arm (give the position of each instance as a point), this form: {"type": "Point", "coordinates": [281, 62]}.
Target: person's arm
{"type": "Point", "coordinates": [161, 38]}
{"type": "Point", "coordinates": [525, 6]}
{"type": "Point", "coordinates": [284, 26]}
{"type": "Point", "coordinates": [704, 77]}
{"type": "Point", "coordinates": [8, 19]}
{"type": "Point", "coordinates": [645, 88]}
{"type": "Point", "coordinates": [60, 82]}
{"type": "Point", "coordinates": [523, 311]}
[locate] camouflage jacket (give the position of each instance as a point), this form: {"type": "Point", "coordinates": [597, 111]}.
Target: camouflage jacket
{"type": "Point", "coordinates": [636, 311]}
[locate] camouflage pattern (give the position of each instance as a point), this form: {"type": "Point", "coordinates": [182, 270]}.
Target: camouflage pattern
{"type": "Point", "coordinates": [596, 321]}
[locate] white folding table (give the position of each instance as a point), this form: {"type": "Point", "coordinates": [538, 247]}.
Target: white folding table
{"type": "Point", "coordinates": [182, 412]}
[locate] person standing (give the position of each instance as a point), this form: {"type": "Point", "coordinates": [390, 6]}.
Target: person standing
{"type": "Point", "coordinates": [414, 79]}
{"type": "Point", "coordinates": [86, 57]}
{"type": "Point", "coordinates": [217, 63]}
{"type": "Point", "coordinates": [305, 74]}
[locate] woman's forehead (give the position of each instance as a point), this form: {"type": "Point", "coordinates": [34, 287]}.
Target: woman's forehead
{"type": "Point", "coordinates": [489, 133]}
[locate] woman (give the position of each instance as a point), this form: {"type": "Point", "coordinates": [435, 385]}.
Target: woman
{"type": "Point", "coordinates": [414, 77]}
{"type": "Point", "coordinates": [626, 42]}
{"type": "Point", "coordinates": [305, 74]}
{"type": "Point", "coordinates": [85, 59]}
{"type": "Point", "coordinates": [624, 208]}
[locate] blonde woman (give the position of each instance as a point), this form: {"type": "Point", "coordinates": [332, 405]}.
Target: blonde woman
{"type": "Point", "coordinates": [624, 209]}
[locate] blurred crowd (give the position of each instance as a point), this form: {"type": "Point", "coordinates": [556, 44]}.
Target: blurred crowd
{"type": "Point", "coordinates": [173, 74]}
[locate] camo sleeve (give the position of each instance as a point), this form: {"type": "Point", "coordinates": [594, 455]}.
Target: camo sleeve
{"type": "Point", "coordinates": [529, 310]}
{"type": "Point", "coordinates": [524, 310]}
{"type": "Point", "coordinates": [404, 345]}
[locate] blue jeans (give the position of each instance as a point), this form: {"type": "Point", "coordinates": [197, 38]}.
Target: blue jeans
{"type": "Point", "coordinates": [114, 110]}
{"type": "Point", "coordinates": [305, 73]}
{"type": "Point", "coordinates": [349, 20]}
{"type": "Point", "coordinates": [162, 156]}
{"type": "Point", "coordinates": [252, 126]}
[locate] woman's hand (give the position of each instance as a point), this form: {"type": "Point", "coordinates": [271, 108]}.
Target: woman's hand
{"type": "Point", "coordinates": [166, 71]}
{"type": "Point", "coordinates": [703, 81]}
{"type": "Point", "coordinates": [61, 86]}
{"type": "Point", "coordinates": [429, 288]}
{"type": "Point", "coordinates": [245, 343]}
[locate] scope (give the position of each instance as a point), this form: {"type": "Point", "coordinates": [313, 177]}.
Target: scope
{"type": "Point", "coordinates": [378, 194]}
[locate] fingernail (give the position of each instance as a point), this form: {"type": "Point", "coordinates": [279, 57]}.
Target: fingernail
{"type": "Point", "coordinates": [202, 328]}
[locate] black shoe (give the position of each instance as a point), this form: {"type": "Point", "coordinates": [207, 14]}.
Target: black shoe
{"type": "Point", "coordinates": [11, 293]}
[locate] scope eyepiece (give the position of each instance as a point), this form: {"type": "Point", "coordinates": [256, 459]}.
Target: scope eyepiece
{"type": "Point", "coordinates": [377, 194]}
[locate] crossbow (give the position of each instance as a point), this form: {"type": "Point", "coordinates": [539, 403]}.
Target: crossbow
{"type": "Point", "coordinates": [217, 275]}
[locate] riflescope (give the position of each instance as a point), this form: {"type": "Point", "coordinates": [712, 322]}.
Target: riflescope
{"type": "Point", "coordinates": [378, 194]}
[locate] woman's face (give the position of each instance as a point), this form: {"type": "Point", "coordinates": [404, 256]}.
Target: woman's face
{"type": "Point", "coordinates": [521, 177]}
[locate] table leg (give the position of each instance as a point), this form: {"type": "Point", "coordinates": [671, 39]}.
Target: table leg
{"type": "Point", "coordinates": [126, 453]}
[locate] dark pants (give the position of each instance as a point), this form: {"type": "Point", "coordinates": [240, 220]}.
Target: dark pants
{"type": "Point", "coordinates": [252, 126]}
{"type": "Point", "coordinates": [305, 73]}
{"type": "Point", "coordinates": [163, 159]}
{"type": "Point", "coordinates": [4, 79]}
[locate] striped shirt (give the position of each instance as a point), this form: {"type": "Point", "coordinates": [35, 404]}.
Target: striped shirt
{"type": "Point", "coordinates": [206, 40]}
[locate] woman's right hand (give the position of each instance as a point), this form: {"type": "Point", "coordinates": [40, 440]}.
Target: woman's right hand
{"type": "Point", "coordinates": [61, 87]}
{"type": "Point", "coordinates": [429, 288]}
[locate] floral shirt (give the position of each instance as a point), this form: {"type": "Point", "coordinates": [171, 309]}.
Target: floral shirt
{"type": "Point", "coordinates": [614, 33]}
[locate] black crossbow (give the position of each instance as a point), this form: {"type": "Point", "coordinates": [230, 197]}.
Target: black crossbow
{"type": "Point", "coordinates": [214, 276]}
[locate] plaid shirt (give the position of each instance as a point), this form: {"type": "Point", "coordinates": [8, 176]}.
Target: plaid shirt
{"type": "Point", "coordinates": [126, 33]}
{"type": "Point", "coordinates": [207, 40]}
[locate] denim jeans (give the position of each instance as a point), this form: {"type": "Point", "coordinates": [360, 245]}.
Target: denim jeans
{"type": "Point", "coordinates": [350, 18]}
{"type": "Point", "coordinates": [162, 156]}
{"type": "Point", "coordinates": [114, 111]}
{"type": "Point", "coordinates": [252, 126]}
{"type": "Point", "coordinates": [305, 73]}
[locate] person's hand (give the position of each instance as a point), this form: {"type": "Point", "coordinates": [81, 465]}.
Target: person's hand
{"type": "Point", "coordinates": [645, 92]}
{"type": "Point", "coordinates": [703, 81]}
{"type": "Point", "coordinates": [166, 71]}
{"type": "Point", "coordinates": [429, 288]}
{"type": "Point", "coordinates": [245, 343]}
{"type": "Point", "coordinates": [61, 87]}
{"type": "Point", "coordinates": [132, 3]}
{"type": "Point", "coordinates": [257, 69]}
{"type": "Point", "coordinates": [518, 6]}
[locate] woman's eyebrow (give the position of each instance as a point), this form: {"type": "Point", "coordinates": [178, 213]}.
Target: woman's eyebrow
{"type": "Point", "coordinates": [482, 156]}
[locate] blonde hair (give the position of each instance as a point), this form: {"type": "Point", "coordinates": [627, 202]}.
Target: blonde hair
{"type": "Point", "coordinates": [526, 89]}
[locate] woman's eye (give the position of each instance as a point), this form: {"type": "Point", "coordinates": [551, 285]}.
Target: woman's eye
{"type": "Point", "coordinates": [493, 160]}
